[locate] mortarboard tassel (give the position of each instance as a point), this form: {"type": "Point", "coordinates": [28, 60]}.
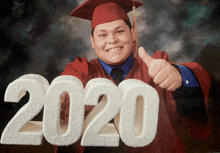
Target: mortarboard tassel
{"type": "Point", "coordinates": [134, 16]}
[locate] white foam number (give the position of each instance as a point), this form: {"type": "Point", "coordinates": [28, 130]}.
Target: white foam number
{"type": "Point", "coordinates": [36, 86]}
{"type": "Point", "coordinates": [137, 121]}
{"type": "Point", "coordinates": [51, 116]}
{"type": "Point", "coordinates": [94, 133]}
{"type": "Point", "coordinates": [137, 102]}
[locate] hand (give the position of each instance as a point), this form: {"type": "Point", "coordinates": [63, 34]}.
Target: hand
{"type": "Point", "coordinates": [64, 110]}
{"type": "Point", "coordinates": [162, 72]}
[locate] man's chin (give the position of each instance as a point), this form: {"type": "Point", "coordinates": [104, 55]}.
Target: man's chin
{"type": "Point", "coordinates": [115, 62]}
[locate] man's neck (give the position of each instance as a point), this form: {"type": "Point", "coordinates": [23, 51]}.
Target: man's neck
{"type": "Point", "coordinates": [125, 66]}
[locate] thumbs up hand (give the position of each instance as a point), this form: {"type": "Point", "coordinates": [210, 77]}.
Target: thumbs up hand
{"type": "Point", "coordinates": [162, 72]}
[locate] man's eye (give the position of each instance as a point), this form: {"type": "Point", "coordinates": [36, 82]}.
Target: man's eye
{"type": "Point", "coordinates": [120, 31]}
{"type": "Point", "coordinates": [102, 35]}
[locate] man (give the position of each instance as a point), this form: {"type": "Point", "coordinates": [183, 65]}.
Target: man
{"type": "Point", "coordinates": [113, 40]}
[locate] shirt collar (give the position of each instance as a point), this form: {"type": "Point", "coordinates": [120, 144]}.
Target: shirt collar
{"type": "Point", "coordinates": [126, 66]}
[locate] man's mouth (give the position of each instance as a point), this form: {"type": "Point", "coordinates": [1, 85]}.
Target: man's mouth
{"type": "Point", "coordinates": [114, 49]}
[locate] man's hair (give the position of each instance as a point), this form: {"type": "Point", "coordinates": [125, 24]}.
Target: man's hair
{"type": "Point", "coordinates": [127, 22]}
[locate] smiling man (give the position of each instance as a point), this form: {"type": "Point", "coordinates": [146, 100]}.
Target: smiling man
{"type": "Point", "coordinates": [113, 42]}
{"type": "Point", "coordinates": [183, 88]}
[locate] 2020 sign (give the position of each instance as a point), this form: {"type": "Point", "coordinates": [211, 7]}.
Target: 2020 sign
{"type": "Point", "coordinates": [133, 104]}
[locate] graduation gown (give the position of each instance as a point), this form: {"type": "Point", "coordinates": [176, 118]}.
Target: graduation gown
{"type": "Point", "coordinates": [173, 124]}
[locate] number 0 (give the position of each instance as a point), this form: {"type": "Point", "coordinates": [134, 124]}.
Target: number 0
{"type": "Point", "coordinates": [74, 88]}
{"type": "Point", "coordinates": [141, 132]}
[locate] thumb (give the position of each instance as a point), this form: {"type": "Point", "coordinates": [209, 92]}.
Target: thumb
{"type": "Point", "coordinates": [145, 56]}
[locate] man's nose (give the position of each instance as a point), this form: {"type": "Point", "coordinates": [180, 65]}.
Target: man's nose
{"type": "Point", "coordinates": [112, 38]}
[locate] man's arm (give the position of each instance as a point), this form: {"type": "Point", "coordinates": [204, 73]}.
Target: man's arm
{"type": "Point", "coordinates": [189, 85]}
{"type": "Point", "coordinates": [189, 97]}
{"type": "Point", "coordinates": [182, 82]}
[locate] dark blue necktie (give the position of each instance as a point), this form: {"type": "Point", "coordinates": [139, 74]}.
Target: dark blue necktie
{"type": "Point", "coordinates": [118, 72]}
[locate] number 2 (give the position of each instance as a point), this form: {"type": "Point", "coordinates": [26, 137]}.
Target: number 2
{"type": "Point", "coordinates": [36, 86]}
{"type": "Point", "coordinates": [94, 134]}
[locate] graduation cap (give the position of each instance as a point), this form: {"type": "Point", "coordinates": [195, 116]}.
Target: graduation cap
{"type": "Point", "coordinates": [103, 11]}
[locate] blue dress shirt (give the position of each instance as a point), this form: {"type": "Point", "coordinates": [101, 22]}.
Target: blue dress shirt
{"type": "Point", "coordinates": [188, 78]}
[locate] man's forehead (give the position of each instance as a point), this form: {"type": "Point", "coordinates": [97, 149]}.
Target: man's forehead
{"type": "Point", "coordinates": [111, 25]}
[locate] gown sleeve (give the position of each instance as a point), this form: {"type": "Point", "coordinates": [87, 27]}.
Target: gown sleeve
{"type": "Point", "coordinates": [191, 99]}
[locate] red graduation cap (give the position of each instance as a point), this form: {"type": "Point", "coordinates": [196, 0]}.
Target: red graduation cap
{"type": "Point", "coordinates": [103, 11]}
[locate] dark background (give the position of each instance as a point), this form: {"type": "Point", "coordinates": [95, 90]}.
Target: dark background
{"type": "Point", "coordinates": [38, 36]}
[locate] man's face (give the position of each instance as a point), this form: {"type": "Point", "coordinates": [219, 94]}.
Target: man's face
{"type": "Point", "coordinates": [113, 42]}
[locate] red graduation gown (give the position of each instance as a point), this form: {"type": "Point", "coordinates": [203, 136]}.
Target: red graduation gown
{"type": "Point", "coordinates": [171, 127]}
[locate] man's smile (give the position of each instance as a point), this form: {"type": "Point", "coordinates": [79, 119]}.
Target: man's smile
{"type": "Point", "coordinates": [114, 49]}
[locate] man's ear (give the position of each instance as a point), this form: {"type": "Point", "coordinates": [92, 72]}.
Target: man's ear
{"type": "Point", "coordinates": [134, 35]}
{"type": "Point", "coordinates": [92, 41]}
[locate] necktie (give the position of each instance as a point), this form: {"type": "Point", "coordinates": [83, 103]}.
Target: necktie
{"type": "Point", "coordinates": [118, 72]}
